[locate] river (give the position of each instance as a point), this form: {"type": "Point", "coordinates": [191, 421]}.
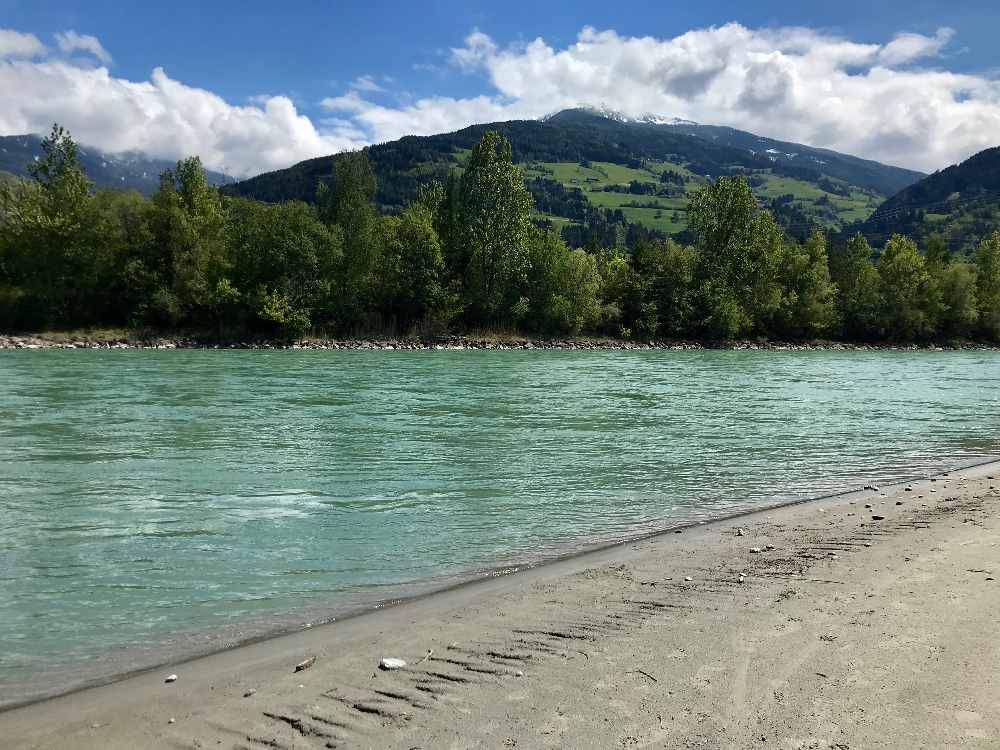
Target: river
{"type": "Point", "coordinates": [160, 504]}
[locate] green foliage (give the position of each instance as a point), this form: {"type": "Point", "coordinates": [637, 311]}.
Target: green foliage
{"type": "Point", "coordinates": [666, 272]}
{"type": "Point", "coordinates": [936, 255]}
{"type": "Point", "coordinates": [188, 229]}
{"type": "Point", "coordinates": [860, 290]}
{"type": "Point", "coordinates": [280, 264]}
{"type": "Point", "coordinates": [51, 245]}
{"type": "Point", "coordinates": [807, 308]}
{"type": "Point", "coordinates": [493, 214]}
{"type": "Point", "coordinates": [956, 285]}
{"type": "Point", "coordinates": [464, 252]}
{"type": "Point", "coordinates": [739, 250]}
{"type": "Point", "coordinates": [564, 290]}
{"type": "Point", "coordinates": [349, 203]}
{"type": "Point", "coordinates": [988, 286]}
{"type": "Point", "coordinates": [910, 301]}
{"type": "Point", "coordinates": [415, 287]}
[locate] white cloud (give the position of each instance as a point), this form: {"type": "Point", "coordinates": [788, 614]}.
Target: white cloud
{"type": "Point", "coordinates": [366, 83]}
{"type": "Point", "coordinates": [15, 44]}
{"type": "Point", "coordinates": [881, 101]}
{"type": "Point", "coordinates": [905, 48]}
{"type": "Point", "coordinates": [477, 50]}
{"type": "Point", "coordinates": [161, 117]}
{"type": "Point", "coordinates": [798, 84]}
{"type": "Point", "coordinates": [70, 42]}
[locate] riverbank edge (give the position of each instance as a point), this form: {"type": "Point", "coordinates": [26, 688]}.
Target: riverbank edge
{"type": "Point", "coordinates": [482, 580]}
{"type": "Point", "coordinates": [116, 715]}
{"type": "Point", "coordinates": [127, 340]}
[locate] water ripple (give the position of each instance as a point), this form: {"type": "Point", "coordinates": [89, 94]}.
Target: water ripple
{"type": "Point", "coordinates": [156, 504]}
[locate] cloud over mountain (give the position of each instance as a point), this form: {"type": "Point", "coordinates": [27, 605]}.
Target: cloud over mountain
{"type": "Point", "coordinates": [161, 117]}
{"type": "Point", "coordinates": [889, 101]}
{"type": "Point", "coordinates": [894, 102]}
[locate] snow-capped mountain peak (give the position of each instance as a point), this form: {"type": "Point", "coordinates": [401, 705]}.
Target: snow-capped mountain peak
{"type": "Point", "coordinates": [647, 118]}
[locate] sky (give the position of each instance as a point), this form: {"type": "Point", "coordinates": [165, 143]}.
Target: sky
{"type": "Point", "coordinates": [256, 86]}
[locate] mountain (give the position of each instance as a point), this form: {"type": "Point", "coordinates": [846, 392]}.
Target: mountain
{"type": "Point", "coordinates": [793, 159]}
{"type": "Point", "coordinates": [127, 171]}
{"type": "Point", "coordinates": [962, 203]}
{"type": "Point", "coordinates": [594, 170]}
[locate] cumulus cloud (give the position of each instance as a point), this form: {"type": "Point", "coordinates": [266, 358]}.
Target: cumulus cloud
{"type": "Point", "coordinates": [70, 42]}
{"type": "Point", "coordinates": [882, 101]}
{"type": "Point", "coordinates": [162, 117]}
{"type": "Point", "coordinates": [892, 102]}
{"type": "Point", "coordinates": [15, 44]}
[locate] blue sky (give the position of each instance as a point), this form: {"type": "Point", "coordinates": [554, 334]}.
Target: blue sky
{"type": "Point", "coordinates": [406, 77]}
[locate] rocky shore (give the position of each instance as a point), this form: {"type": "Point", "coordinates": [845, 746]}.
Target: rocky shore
{"type": "Point", "coordinates": [42, 341]}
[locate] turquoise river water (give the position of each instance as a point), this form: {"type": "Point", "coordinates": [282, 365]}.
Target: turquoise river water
{"type": "Point", "coordinates": [159, 504]}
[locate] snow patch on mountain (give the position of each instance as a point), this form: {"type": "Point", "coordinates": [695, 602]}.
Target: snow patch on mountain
{"type": "Point", "coordinates": [647, 118]}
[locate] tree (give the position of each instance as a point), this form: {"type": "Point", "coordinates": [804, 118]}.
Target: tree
{"type": "Point", "coordinates": [859, 290]}
{"type": "Point", "coordinates": [620, 291]}
{"type": "Point", "coordinates": [189, 229]}
{"type": "Point", "coordinates": [910, 301]}
{"type": "Point", "coordinates": [53, 246]}
{"type": "Point", "coordinates": [988, 286]}
{"type": "Point", "coordinates": [126, 220]}
{"type": "Point", "coordinates": [563, 292]}
{"type": "Point", "coordinates": [937, 255]}
{"type": "Point", "coordinates": [739, 247]}
{"type": "Point", "coordinates": [808, 307]}
{"type": "Point", "coordinates": [281, 261]}
{"type": "Point", "coordinates": [494, 224]}
{"type": "Point", "coordinates": [414, 271]}
{"type": "Point", "coordinates": [666, 271]}
{"type": "Point", "coordinates": [349, 203]}
{"type": "Point", "coordinates": [956, 284]}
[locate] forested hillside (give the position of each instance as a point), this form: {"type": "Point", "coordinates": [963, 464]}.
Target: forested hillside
{"type": "Point", "coordinates": [595, 178]}
{"type": "Point", "coordinates": [961, 204]}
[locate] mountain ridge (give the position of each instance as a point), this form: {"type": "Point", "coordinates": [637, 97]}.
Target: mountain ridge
{"type": "Point", "coordinates": [960, 202]}
{"type": "Point", "coordinates": [130, 170]}
{"type": "Point", "coordinates": [586, 167]}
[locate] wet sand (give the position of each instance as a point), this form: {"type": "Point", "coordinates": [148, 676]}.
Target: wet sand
{"type": "Point", "coordinates": [851, 628]}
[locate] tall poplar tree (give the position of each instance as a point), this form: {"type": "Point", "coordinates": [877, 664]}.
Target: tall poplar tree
{"type": "Point", "coordinates": [494, 226]}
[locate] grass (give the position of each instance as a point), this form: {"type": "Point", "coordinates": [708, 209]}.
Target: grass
{"type": "Point", "coordinates": [592, 179]}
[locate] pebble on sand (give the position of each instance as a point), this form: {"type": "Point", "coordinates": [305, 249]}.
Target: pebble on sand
{"type": "Point", "coordinates": [304, 665]}
{"type": "Point", "coordinates": [390, 663]}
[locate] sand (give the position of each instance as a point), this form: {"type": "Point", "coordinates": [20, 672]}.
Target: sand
{"type": "Point", "coordinates": [850, 633]}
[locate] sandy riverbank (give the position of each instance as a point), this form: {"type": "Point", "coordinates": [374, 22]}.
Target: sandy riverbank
{"type": "Point", "coordinates": [852, 632]}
